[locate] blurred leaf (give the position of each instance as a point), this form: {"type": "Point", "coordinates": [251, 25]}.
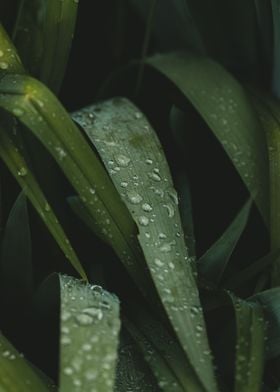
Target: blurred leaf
{"type": "Point", "coordinates": [89, 337]}
{"type": "Point", "coordinates": [250, 335]}
{"type": "Point", "coordinates": [242, 277]}
{"type": "Point", "coordinates": [12, 152]}
{"type": "Point", "coordinates": [132, 154]}
{"type": "Point", "coordinates": [214, 262]}
{"type": "Point", "coordinates": [275, 4]}
{"type": "Point", "coordinates": [173, 25]}
{"type": "Point", "coordinates": [9, 60]}
{"type": "Point", "coordinates": [224, 106]}
{"type": "Point", "coordinates": [269, 113]}
{"type": "Point", "coordinates": [16, 282]}
{"type": "Point", "coordinates": [15, 372]}
{"type": "Point", "coordinates": [43, 34]}
{"type": "Point", "coordinates": [270, 301]}
{"type": "Point", "coordinates": [13, 158]}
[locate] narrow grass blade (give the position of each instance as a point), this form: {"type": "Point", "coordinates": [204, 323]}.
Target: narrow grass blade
{"type": "Point", "coordinates": [43, 34]}
{"type": "Point", "coordinates": [213, 263]}
{"type": "Point", "coordinates": [89, 337]}
{"type": "Point", "coordinates": [133, 156]}
{"type": "Point", "coordinates": [11, 154]}
{"type": "Point", "coordinates": [250, 337]}
{"type": "Point", "coordinates": [224, 106]}
{"type": "Point", "coordinates": [16, 259]}
{"type": "Point", "coordinates": [36, 107]}
{"type": "Point", "coordinates": [270, 300]}
{"type": "Point", "coordinates": [15, 372]}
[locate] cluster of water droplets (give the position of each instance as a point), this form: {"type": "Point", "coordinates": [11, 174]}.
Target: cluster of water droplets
{"type": "Point", "coordinates": [89, 329]}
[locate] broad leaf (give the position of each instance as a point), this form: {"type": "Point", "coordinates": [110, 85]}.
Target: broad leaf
{"type": "Point", "coordinates": [43, 34]}
{"type": "Point", "coordinates": [133, 156]}
{"type": "Point", "coordinates": [225, 107]}
{"type": "Point", "coordinates": [89, 325]}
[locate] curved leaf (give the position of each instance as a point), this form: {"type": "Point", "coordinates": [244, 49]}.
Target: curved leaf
{"type": "Point", "coordinates": [134, 158]}
{"type": "Point", "coordinates": [89, 337]}
{"type": "Point", "coordinates": [43, 34]}
{"type": "Point", "coordinates": [213, 263]}
{"type": "Point", "coordinates": [224, 106]}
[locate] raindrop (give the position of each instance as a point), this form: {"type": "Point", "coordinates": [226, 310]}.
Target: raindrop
{"type": "Point", "coordinates": [90, 375]}
{"type": "Point", "coordinates": [143, 220]}
{"type": "Point", "coordinates": [154, 176]}
{"type": "Point", "coordinates": [68, 371]}
{"type": "Point", "coordinates": [159, 263]}
{"type": "Point", "coordinates": [22, 172]}
{"type": "Point", "coordinates": [3, 65]}
{"type": "Point", "coordinates": [93, 312]}
{"type": "Point", "coordinates": [84, 319]}
{"type": "Point", "coordinates": [122, 160]}
{"type": "Point", "coordinates": [137, 115]}
{"type": "Point", "coordinates": [162, 236]}
{"type": "Point", "coordinates": [17, 112]}
{"type": "Point", "coordinates": [170, 210]}
{"type": "Point", "coordinates": [173, 195]}
{"type": "Point", "coordinates": [147, 207]}
{"type": "Point", "coordinates": [124, 184]}
{"type": "Point", "coordinates": [1, 53]}
{"type": "Point", "coordinates": [149, 161]}
{"type": "Point", "coordinates": [61, 153]}
{"type": "Point", "coordinates": [65, 340]}
{"type": "Point", "coordinates": [47, 207]}
{"type": "Point", "coordinates": [134, 197]}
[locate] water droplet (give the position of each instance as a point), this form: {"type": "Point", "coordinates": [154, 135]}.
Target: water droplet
{"type": "Point", "coordinates": [159, 263]}
{"type": "Point", "coordinates": [65, 340]}
{"type": "Point", "coordinates": [149, 161]}
{"type": "Point", "coordinates": [170, 210]}
{"type": "Point", "coordinates": [61, 153]}
{"type": "Point", "coordinates": [1, 53]}
{"type": "Point", "coordinates": [22, 172]}
{"type": "Point", "coordinates": [143, 220]}
{"type": "Point", "coordinates": [93, 312]}
{"type": "Point", "coordinates": [3, 65]}
{"type": "Point", "coordinates": [124, 184]}
{"type": "Point", "coordinates": [84, 319]}
{"type": "Point", "coordinates": [147, 207]}
{"type": "Point", "coordinates": [154, 176]}
{"type": "Point", "coordinates": [68, 371]}
{"type": "Point", "coordinates": [122, 160]}
{"type": "Point", "coordinates": [171, 265]}
{"type": "Point", "coordinates": [47, 207]}
{"type": "Point", "coordinates": [161, 236]}
{"type": "Point", "coordinates": [86, 347]}
{"type": "Point", "coordinates": [92, 191]}
{"type": "Point", "coordinates": [134, 197]}
{"type": "Point", "coordinates": [137, 115]}
{"type": "Point", "coordinates": [91, 375]}
{"type": "Point", "coordinates": [166, 248]}
{"type": "Point", "coordinates": [173, 195]}
{"type": "Point", "coordinates": [18, 112]}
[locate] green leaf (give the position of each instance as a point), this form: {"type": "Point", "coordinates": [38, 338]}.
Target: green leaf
{"type": "Point", "coordinates": [133, 373]}
{"type": "Point", "coordinates": [269, 113]}
{"type": "Point", "coordinates": [132, 154]}
{"type": "Point", "coordinates": [12, 156]}
{"type": "Point", "coordinates": [36, 107]}
{"type": "Point", "coordinates": [224, 106]}
{"type": "Point", "coordinates": [270, 301]}
{"type": "Point", "coordinates": [43, 35]}
{"type": "Point", "coordinates": [16, 282]}
{"type": "Point", "coordinates": [213, 263]}
{"type": "Point", "coordinates": [242, 277]}
{"type": "Point", "coordinates": [12, 151]}
{"type": "Point", "coordinates": [250, 336]}
{"type": "Point", "coordinates": [15, 372]}
{"type": "Point", "coordinates": [89, 337]}
{"type": "Point", "coordinates": [161, 351]}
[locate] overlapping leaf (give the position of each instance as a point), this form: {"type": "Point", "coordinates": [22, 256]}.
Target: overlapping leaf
{"type": "Point", "coordinates": [43, 34]}
{"type": "Point", "coordinates": [225, 107]}
{"type": "Point", "coordinates": [133, 156]}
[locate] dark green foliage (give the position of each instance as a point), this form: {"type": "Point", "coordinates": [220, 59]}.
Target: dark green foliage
{"type": "Point", "coordinates": [164, 197]}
